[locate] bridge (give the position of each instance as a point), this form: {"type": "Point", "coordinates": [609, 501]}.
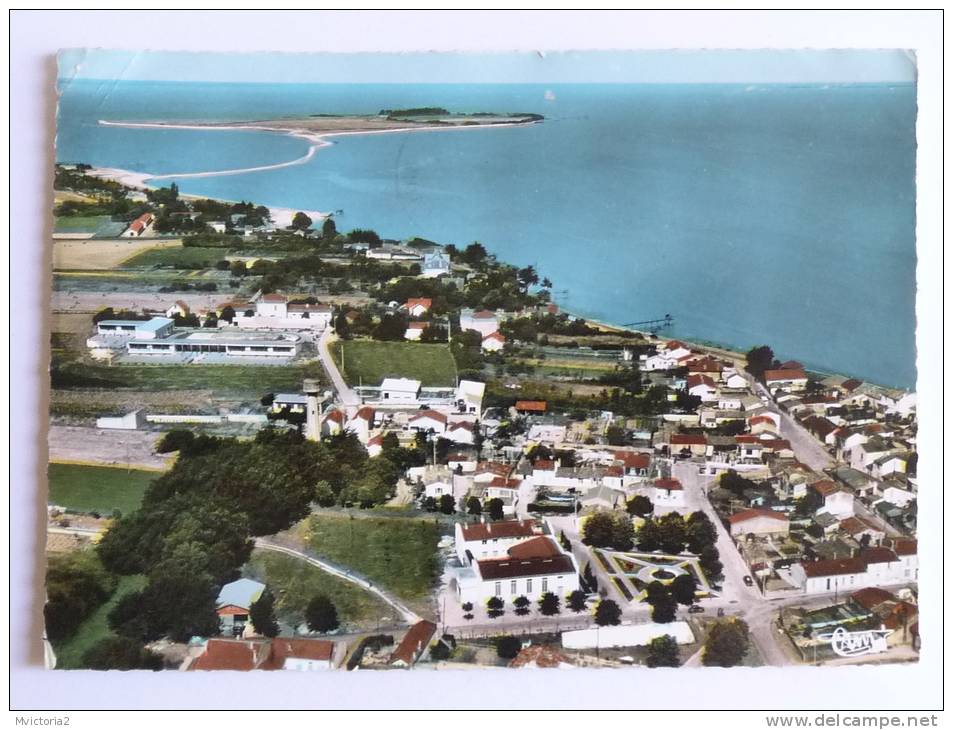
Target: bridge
{"type": "Point", "coordinates": [653, 325]}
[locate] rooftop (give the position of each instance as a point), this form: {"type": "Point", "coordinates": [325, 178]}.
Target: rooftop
{"type": "Point", "coordinates": [507, 529]}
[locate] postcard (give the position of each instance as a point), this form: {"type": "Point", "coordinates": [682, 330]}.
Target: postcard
{"type": "Point", "coordinates": [574, 360]}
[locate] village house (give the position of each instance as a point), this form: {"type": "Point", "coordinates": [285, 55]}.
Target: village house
{"type": "Point", "coordinates": [469, 396]}
{"type": "Point", "coordinates": [692, 443]}
{"type": "Point", "coordinates": [415, 330]}
{"type": "Point", "coordinates": [418, 307]}
{"type": "Point", "coordinates": [275, 311]}
{"type": "Point", "coordinates": [483, 540]}
{"type": "Point", "coordinates": [393, 252]}
{"type": "Point", "coordinates": [836, 500]}
{"type": "Point", "coordinates": [140, 226]}
{"type": "Point", "coordinates": [414, 645]}
{"type": "Point", "coordinates": [400, 390]}
{"type": "Point", "coordinates": [493, 342]}
{"type": "Point", "coordinates": [732, 379]}
{"type": "Point", "coordinates": [362, 422]}
{"type": "Point", "coordinates": [461, 432]}
{"type": "Point", "coordinates": [667, 492]}
{"type": "Point", "coordinates": [436, 263]}
{"type": "Point", "coordinates": [759, 522]}
{"type": "Point", "coordinates": [483, 321]}
{"type": "Point", "coordinates": [860, 530]}
{"type": "Point", "coordinates": [530, 406]}
{"type": "Point", "coordinates": [789, 380]}
{"type": "Point", "coordinates": [670, 356]}
{"type": "Point", "coordinates": [702, 387]}
{"type": "Point", "coordinates": [233, 605]}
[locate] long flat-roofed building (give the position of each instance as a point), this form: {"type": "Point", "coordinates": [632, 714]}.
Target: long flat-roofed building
{"type": "Point", "coordinates": [218, 342]}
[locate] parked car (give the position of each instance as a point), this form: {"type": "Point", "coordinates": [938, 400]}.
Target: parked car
{"type": "Point", "coordinates": [696, 609]}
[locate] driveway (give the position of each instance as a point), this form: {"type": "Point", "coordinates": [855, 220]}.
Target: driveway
{"type": "Point", "coordinates": [346, 395]}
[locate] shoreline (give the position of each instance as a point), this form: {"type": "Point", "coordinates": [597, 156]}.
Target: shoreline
{"type": "Point", "coordinates": [317, 140]}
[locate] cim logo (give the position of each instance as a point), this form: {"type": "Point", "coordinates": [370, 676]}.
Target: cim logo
{"type": "Point", "coordinates": [857, 643]}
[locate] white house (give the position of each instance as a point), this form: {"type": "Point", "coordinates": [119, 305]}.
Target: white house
{"type": "Point", "coordinates": [140, 226]}
{"type": "Point", "coordinates": [758, 522]}
{"type": "Point", "coordinates": [436, 263]}
{"type": "Point", "coordinates": [493, 342]}
{"type": "Point", "coordinates": [837, 502]}
{"type": "Point", "coordinates": [481, 540]}
{"type": "Point", "coordinates": [824, 576]}
{"type": "Point", "coordinates": [415, 330]}
{"type": "Point", "coordinates": [429, 420]}
{"type": "Point", "coordinates": [274, 311]}
{"type": "Point", "coordinates": [361, 424]}
{"type": "Point", "coordinates": [703, 387]}
{"type": "Point", "coordinates": [669, 356]}
{"type": "Point", "coordinates": [469, 396]}
{"type": "Point", "coordinates": [400, 390]}
{"type": "Point", "coordinates": [890, 463]}
{"type": "Point", "coordinates": [375, 445]}
{"type": "Point", "coordinates": [793, 380]}
{"type": "Point", "coordinates": [732, 379]}
{"type": "Point", "coordinates": [897, 496]}
{"type": "Point", "coordinates": [483, 321]}
{"type": "Point", "coordinates": [460, 432]}
{"type": "Point", "coordinates": [667, 492]}
{"type": "Point", "coordinates": [531, 568]}
{"type": "Point", "coordinates": [419, 306]}
{"type": "Point", "coordinates": [438, 489]}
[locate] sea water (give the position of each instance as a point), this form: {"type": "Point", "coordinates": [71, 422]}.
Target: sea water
{"type": "Point", "coordinates": [768, 214]}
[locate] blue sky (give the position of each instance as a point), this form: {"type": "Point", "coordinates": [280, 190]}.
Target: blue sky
{"type": "Point", "coordinates": [754, 66]}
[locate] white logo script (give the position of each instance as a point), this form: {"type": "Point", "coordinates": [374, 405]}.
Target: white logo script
{"type": "Point", "coordinates": [857, 643]}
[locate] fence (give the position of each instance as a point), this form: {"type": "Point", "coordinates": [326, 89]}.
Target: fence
{"type": "Point", "coordinates": [555, 625]}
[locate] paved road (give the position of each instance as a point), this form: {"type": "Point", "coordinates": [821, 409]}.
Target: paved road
{"type": "Point", "coordinates": [406, 614]}
{"type": "Point", "coordinates": [346, 396]}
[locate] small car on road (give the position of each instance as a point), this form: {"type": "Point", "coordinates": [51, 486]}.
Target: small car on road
{"type": "Point", "coordinates": [696, 609]}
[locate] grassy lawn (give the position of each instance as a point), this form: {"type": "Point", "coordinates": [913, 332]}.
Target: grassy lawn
{"type": "Point", "coordinates": [399, 554]}
{"type": "Point", "coordinates": [255, 379]}
{"type": "Point", "coordinates": [79, 223]}
{"type": "Point", "coordinates": [294, 582]}
{"type": "Point", "coordinates": [69, 654]}
{"type": "Point", "coordinates": [370, 361]}
{"type": "Point", "coordinates": [97, 489]}
{"type": "Point", "coordinates": [177, 257]}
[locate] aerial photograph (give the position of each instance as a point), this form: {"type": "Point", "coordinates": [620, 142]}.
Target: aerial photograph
{"type": "Point", "coordinates": [482, 361]}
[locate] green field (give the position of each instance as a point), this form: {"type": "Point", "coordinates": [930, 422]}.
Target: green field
{"type": "Point", "coordinates": [223, 379]}
{"type": "Point", "coordinates": [97, 489]}
{"type": "Point", "coordinates": [69, 654]}
{"type": "Point", "coordinates": [370, 361]}
{"type": "Point", "coordinates": [100, 225]}
{"type": "Point", "coordinates": [294, 582]}
{"type": "Point", "coordinates": [187, 257]}
{"type": "Point", "coordinates": [399, 554]}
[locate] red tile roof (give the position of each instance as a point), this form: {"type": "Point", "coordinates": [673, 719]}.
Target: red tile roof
{"type": "Point", "coordinates": [876, 555]}
{"type": "Point", "coordinates": [695, 380]}
{"type": "Point", "coordinates": [828, 568]}
{"type": "Point", "coordinates": [531, 405]}
{"type": "Point", "coordinates": [506, 529]}
{"type": "Point", "coordinates": [537, 547]}
{"type": "Point", "coordinates": [905, 547]}
{"type": "Point", "coordinates": [524, 567]}
{"type": "Point", "coordinates": [434, 415]}
{"type": "Point", "coordinates": [366, 413]}
{"type": "Point", "coordinates": [493, 467]}
{"type": "Point", "coordinates": [851, 384]}
{"type": "Point", "coordinates": [484, 314]}
{"type": "Point", "coordinates": [544, 464]}
{"type": "Point", "coordinates": [465, 425]}
{"type": "Point", "coordinates": [750, 514]}
{"type": "Point", "coordinates": [754, 420]}
{"type": "Point", "coordinates": [770, 375]}
{"type": "Point", "coordinates": [495, 336]}
{"type": "Point", "coordinates": [503, 483]}
{"type": "Point", "coordinates": [704, 365]}
{"type": "Point", "coordinates": [632, 460]}
{"type": "Point", "coordinates": [231, 654]}
{"type": "Point", "coordinates": [414, 642]}
{"type": "Point", "coordinates": [422, 301]}
{"type": "Point", "coordinates": [825, 487]}
{"type": "Point", "coordinates": [871, 597]}
{"type": "Point", "coordinates": [274, 298]}
{"type": "Point", "coordinates": [668, 483]}
{"type": "Point", "coordinates": [418, 325]}
{"type": "Point", "coordinates": [335, 415]}
{"type": "Point", "coordinates": [675, 345]}
{"type": "Point", "coordinates": [312, 649]}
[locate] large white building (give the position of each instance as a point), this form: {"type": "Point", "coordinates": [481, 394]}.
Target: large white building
{"type": "Point", "coordinates": [274, 311]}
{"type": "Point", "coordinates": [878, 566]}
{"type": "Point", "coordinates": [483, 321]}
{"type": "Point", "coordinates": [400, 390]}
{"type": "Point", "coordinates": [530, 569]}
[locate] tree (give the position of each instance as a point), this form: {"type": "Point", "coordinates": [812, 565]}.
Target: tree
{"type": "Point", "coordinates": [301, 221]}
{"type": "Point", "coordinates": [589, 579]}
{"type": "Point", "coordinates": [521, 604]}
{"type": "Point", "coordinates": [699, 532]}
{"type": "Point", "coordinates": [262, 615]}
{"type": "Point", "coordinates": [439, 651]}
{"type": "Point", "coordinates": [709, 561]}
{"type": "Point", "coordinates": [494, 607]}
{"type": "Point", "coordinates": [507, 647]}
{"type": "Point", "coordinates": [341, 326]}
{"type": "Point", "coordinates": [527, 277]}
{"type": "Point", "coordinates": [564, 541]}
{"type": "Point", "coordinates": [474, 507]}
{"type": "Point", "coordinates": [329, 228]}
{"type": "Point", "coordinates": [430, 504]}
{"type": "Point", "coordinates": [239, 268]}
{"type": "Point", "coordinates": [210, 321]}
{"type": "Point", "coordinates": [639, 506]}
{"type": "Point", "coordinates": [120, 652]}
{"type": "Point", "coordinates": [683, 589]}
{"type": "Point", "coordinates": [320, 614]}
{"type": "Point", "coordinates": [608, 613]}
{"type": "Point", "coordinates": [608, 529]}
{"type": "Point", "coordinates": [324, 494]}
{"type": "Point", "coordinates": [228, 314]}
{"type": "Point", "coordinates": [726, 644]}
{"type": "Point", "coordinates": [663, 652]}
{"type": "Point", "coordinates": [671, 532]}
{"type": "Point", "coordinates": [576, 601]}
{"type": "Point", "coordinates": [759, 359]}
{"type": "Point", "coordinates": [663, 610]}
{"type": "Point", "coordinates": [549, 604]}
{"type": "Point", "coordinates": [76, 584]}
{"type": "Point", "coordinates": [474, 254]}
{"type": "Point", "coordinates": [495, 508]}
{"type": "Point", "coordinates": [178, 439]}
{"type": "Point", "coordinates": [447, 504]}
